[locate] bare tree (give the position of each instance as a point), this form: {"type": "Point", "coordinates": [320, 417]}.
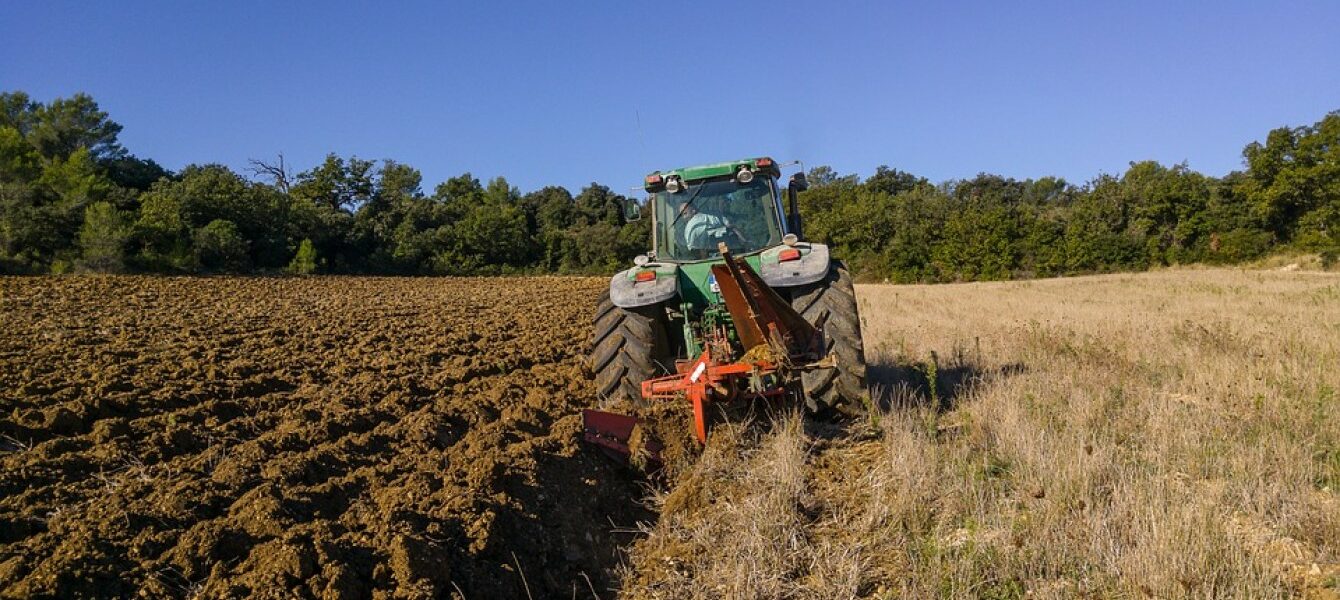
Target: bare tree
{"type": "Point", "coordinates": [278, 173]}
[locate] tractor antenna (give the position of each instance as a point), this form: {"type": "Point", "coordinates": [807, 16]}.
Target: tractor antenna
{"type": "Point", "coordinates": [641, 139]}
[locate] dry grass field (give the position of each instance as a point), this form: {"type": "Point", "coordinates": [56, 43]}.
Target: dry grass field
{"type": "Point", "coordinates": [1170, 434]}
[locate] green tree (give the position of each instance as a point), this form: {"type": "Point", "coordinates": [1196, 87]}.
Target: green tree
{"type": "Point", "coordinates": [1096, 233]}
{"type": "Point", "coordinates": [102, 238]}
{"type": "Point", "coordinates": [49, 173]}
{"type": "Point", "coordinates": [134, 173]}
{"type": "Point", "coordinates": [75, 180]}
{"type": "Point", "coordinates": [1167, 209]}
{"type": "Point", "coordinates": [549, 213]}
{"type": "Point", "coordinates": [395, 209]}
{"type": "Point", "coordinates": [338, 184]}
{"type": "Point", "coordinates": [598, 204]}
{"type": "Point", "coordinates": [172, 210]}
{"type": "Point", "coordinates": [41, 215]}
{"type": "Point", "coordinates": [23, 236]}
{"type": "Point", "coordinates": [219, 246]}
{"type": "Point", "coordinates": [161, 233]}
{"type": "Point", "coordinates": [824, 175]}
{"type": "Point", "coordinates": [19, 161]}
{"type": "Point", "coordinates": [491, 233]}
{"type": "Point", "coordinates": [63, 126]}
{"type": "Point", "coordinates": [978, 243]}
{"type": "Point", "coordinates": [17, 111]}
{"type": "Point", "coordinates": [330, 230]}
{"type": "Point", "coordinates": [304, 262]}
{"type": "Point", "coordinates": [1296, 172]}
{"type": "Point", "coordinates": [892, 181]}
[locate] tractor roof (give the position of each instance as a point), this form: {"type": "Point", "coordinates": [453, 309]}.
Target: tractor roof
{"type": "Point", "coordinates": [762, 164]}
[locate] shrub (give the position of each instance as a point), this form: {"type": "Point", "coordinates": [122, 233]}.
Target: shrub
{"type": "Point", "coordinates": [1242, 244]}
{"type": "Point", "coordinates": [219, 246]}
{"type": "Point", "coordinates": [304, 262]}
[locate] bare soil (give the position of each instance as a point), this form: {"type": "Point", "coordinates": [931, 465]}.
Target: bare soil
{"type": "Point", "coordinates": [331, 438]}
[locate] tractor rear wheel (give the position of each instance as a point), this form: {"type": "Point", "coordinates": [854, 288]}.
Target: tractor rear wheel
{"type": "Point", "coordinates": [628, 346]}
{"type": "Point", "coordinates": [842, 388]}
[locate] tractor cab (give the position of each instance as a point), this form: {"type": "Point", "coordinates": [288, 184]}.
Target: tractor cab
{"type": "Point", "coordinates": [691, 223]}
{"type": "Point", "coordinates": [696, 209]}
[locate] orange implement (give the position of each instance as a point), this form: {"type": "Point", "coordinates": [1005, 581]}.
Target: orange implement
{"type": "Point", "coordinates": [701, 382]}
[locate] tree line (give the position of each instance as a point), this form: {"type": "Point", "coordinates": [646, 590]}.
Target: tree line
{"type": "Point", "coordinates": [900, 227]}
{"type": "Point", "coordinates": [72, 198]}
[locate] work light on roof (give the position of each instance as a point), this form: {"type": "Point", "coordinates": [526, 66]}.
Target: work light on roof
{"type": "Point", "coordinates": [744, 175]}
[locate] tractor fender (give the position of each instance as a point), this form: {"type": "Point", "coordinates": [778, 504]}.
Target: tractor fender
{"type": "Point", "coordinates": [627, 292]}
{"type": "Point", "coordinates": [810, 267]}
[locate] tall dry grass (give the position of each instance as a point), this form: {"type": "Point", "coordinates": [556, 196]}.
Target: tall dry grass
{"type": "Point", "coordinates": [1171, 434]}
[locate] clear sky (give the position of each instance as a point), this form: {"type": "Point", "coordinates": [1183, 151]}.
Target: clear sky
{"type": "Point", "coordinates": [572, 92]}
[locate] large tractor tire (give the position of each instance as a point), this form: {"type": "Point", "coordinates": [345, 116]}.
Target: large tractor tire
{"type": "Point", "coordinates": [628, 346]}
{"type": "Point", "coordinates": [843, 388]}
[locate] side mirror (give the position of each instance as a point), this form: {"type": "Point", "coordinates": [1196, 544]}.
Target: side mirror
{"type": "Point", "coordinates": [632, 210]}
{"type": "Point", "coordinates": [798, 182]}
{"type": "Point", "coordinates": [795, 186]}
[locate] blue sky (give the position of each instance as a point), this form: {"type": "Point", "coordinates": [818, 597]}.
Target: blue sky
{"type": "Point", "coordinates": [569, 93]}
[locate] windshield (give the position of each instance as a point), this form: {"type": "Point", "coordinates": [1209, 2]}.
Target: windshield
{"type": "Point", "coordinates": [689, 224]}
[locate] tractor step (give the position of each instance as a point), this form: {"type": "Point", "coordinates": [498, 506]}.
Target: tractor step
{"type": "Point", "coordinates": [612, 432]}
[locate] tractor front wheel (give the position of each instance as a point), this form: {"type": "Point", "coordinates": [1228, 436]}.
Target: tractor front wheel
{"type": "Point", "coordinates": [842, 388]}
{"type": "Point", "coordinates": [628, 346]}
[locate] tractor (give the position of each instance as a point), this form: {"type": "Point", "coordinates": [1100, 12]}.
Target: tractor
{"type": "Point", "coordinates": [730, 303]}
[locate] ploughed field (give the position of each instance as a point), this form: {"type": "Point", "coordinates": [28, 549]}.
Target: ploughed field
{"type": "Point", "coordinates": [325, 437]}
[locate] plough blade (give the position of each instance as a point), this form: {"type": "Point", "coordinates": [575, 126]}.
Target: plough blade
{"type": "Point", "coordinates": [613, 432]}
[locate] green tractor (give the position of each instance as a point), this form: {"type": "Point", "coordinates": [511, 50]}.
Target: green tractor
{"type": "Point", "coordinates": [729, 302]}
